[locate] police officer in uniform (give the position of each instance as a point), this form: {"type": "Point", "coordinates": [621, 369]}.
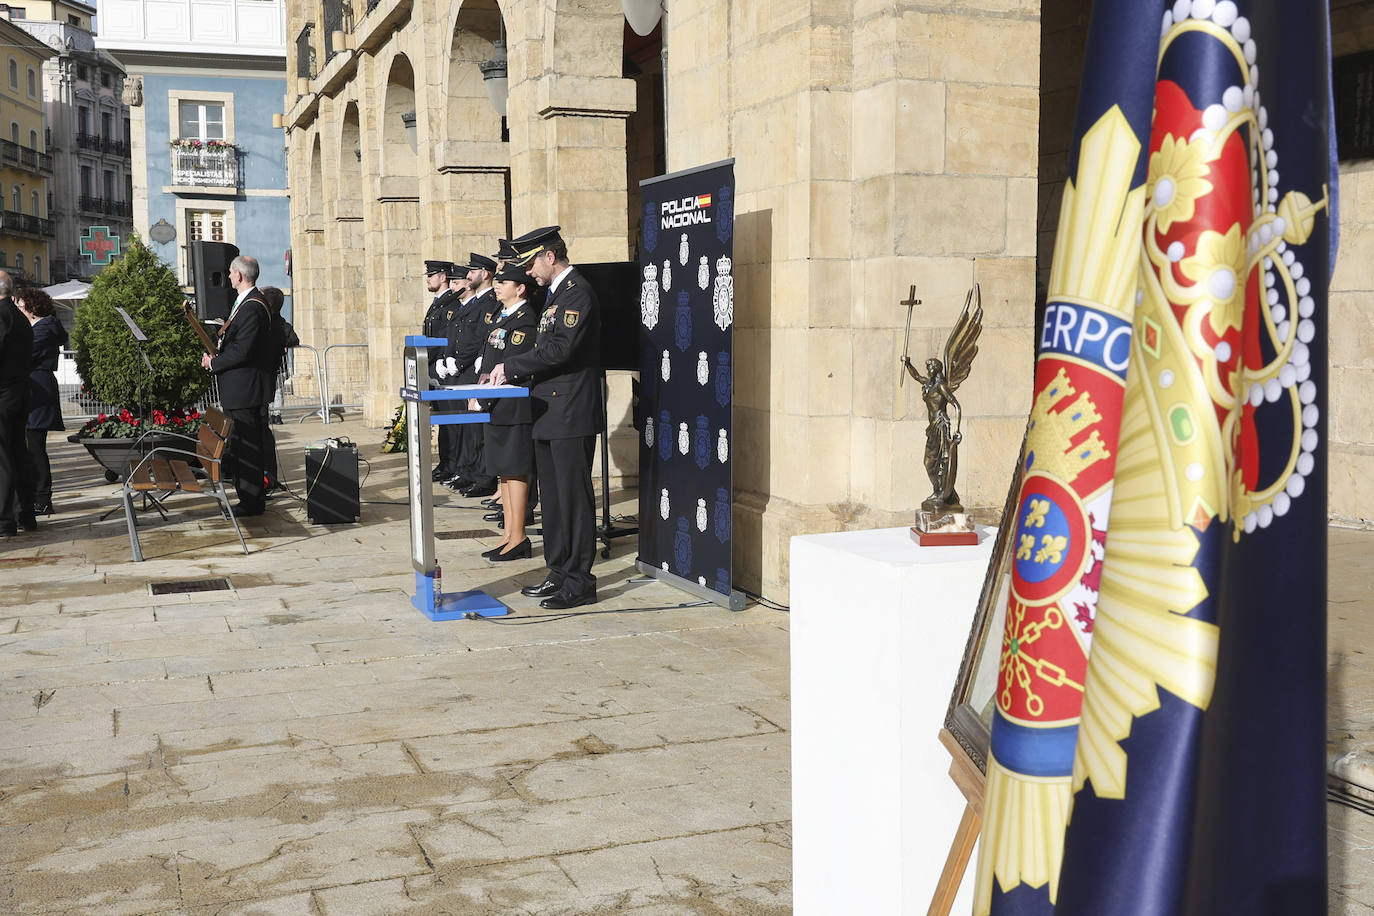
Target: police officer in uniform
{"type": "Point", "coordinates": [437, 318]}
{"type": "Point", "coordinates": [466, 335]}
{"type": "Point", "coordinates": [509, 444]}
{"type": "Point", "coordinates": [563, 372]}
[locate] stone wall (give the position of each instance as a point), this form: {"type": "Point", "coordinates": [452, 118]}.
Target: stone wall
{"type": "Point", "coordinates": [878, 145]}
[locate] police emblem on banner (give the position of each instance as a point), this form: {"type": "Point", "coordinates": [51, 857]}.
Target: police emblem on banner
{"type": "Point", "coordinates": [665, 436]}
{"type": "Point", "coordinates": [723, 446]}
{"type": "Point", "coordinates": [648, 298]}
{"type": "Point", "coordinates": [649, 432]}
{"type": "Point", "coordinates": [725, 214]}
{"type": "Point", "coordinates": [723, 294]}
{"type": "Point", "coordinates": [683, 325]}
{"type": "Point", "coordinates": [723, 378]}
{"type": "Point", "coordinates": [703, 368]}
{"type": "Point", "coordinates": [650, 225]}
{"type": "Point", "coordinates": [703, 442]}
{"type": "Point", "coordinates": [682, 548]}
{"type": "Point", "coordinates": [701, 515]}
{"type": "Point", "coordinates": [683, 253]}
{"type": "Point", "coordinates": [684, 441]}
{"type": "Point", "coordinates": [667, 275]}
{"type": "Point", "coordinates": [722, 515]}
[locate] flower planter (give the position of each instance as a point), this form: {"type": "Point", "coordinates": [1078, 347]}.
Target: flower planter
{"type": "Point", "coordinates": [113, 454]}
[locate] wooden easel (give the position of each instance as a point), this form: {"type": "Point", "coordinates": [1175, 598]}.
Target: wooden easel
{"type": "Point", "coordinates": [970, 781]}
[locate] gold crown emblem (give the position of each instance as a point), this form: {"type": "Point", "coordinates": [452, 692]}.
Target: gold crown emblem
{"type": "Point", "coordinates": [1056, 421]}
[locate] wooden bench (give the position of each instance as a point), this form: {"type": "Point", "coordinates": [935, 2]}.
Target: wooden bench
{"type": "Point", "coordinates": [166, 470]}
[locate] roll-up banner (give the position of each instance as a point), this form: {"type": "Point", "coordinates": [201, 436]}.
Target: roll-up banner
{"type": "Point", "coordinates": [687, 319]}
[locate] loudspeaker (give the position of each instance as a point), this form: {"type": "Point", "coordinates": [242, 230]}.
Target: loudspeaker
{"type": "Point", "coordinates": [210, 275]}
{"type": "Point", "coordinates": [331, 484]}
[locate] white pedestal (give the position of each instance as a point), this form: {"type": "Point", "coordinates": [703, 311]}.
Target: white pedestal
{"type": "Point", "coordinates": [878, 628]}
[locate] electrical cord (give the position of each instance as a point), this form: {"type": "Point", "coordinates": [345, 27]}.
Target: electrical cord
{"type": "Point", "coordinates": [550, 618]}
{"type": "Point", "coordinates": [765, 602]}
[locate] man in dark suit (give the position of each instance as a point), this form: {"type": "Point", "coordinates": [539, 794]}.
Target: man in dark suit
{"type": "Point", "coordinates": [563, 372]}
{"type": "Point", "coordinates": [245, 365]}
{"type": "Point", "coordinates": [16, 345]}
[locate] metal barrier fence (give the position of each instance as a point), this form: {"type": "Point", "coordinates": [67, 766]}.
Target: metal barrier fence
{"type": "Point", "coordinates": [345, 373]}
{"type": "Point", "coordinates": [310, 383]}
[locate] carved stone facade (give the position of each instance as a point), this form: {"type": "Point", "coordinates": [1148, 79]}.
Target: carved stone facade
{"type": "Point", "coordinates": [878, 144]}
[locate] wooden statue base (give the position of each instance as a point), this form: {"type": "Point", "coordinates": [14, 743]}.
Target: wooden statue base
{"type": "Point", "coordinates": [943, 538]}
{"type": "Point", "coordinates": [947, 529]}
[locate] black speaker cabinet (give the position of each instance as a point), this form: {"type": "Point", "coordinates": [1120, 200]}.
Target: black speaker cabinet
{"type": "Point", "coordinates": [210, 274]}
{"type": "Point", "coordinates": [331, 485]}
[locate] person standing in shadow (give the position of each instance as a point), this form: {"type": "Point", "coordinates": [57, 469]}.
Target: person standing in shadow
{"type": "Point", "coordinates": [280, 338]}
{"type": "Point", "coordinates": [45, 408]}
{"type": "Point", "coordinates": [16, 346]}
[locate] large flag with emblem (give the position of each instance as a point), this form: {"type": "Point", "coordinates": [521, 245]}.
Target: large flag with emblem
{"type": "Point", "coordinates": [1158, 741]}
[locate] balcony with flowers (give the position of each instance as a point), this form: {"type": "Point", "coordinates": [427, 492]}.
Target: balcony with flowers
{"type": "Point", "coordinates": [205, 164]}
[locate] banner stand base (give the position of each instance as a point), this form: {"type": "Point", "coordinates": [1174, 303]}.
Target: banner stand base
{"type": "Point", "coordinates": [734, 601]}
{"type": "Point", "coordinates": [453, 605]}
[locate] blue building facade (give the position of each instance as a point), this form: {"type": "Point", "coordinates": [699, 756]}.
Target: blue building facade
{"type": "Point", "coordinates": [207, 163]}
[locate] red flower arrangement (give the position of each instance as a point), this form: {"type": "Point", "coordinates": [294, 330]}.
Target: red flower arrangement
{"type": "Point", "coordinates": [124, 425]}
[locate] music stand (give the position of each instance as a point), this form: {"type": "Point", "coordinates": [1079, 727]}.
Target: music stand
{"type": "Point", "coordinates": [617, 291]}
{"type": "Point", "coordinates": [140, 339]}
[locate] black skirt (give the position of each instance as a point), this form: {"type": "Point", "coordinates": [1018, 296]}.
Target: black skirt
{"type": "Point", "coordinates": [509, 450]}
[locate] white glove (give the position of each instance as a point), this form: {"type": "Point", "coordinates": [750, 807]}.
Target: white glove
{"type": "Point", "coordinates": [440, 369]}
{"type": "Point", "coordinates": [452, 365]}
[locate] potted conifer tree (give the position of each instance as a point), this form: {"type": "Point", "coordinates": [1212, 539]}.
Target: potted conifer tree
{"type": "Point", "coordinates": [111, 367]}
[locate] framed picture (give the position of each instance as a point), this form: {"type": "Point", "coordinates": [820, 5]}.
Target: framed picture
{"type": "Point", "coordinates": [969, 719]}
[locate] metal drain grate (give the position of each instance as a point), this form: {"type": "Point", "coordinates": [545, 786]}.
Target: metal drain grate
{"type": "Point", "coordinates": [186, 586]}
{"type": "Point", "coordinates": [463, 535]}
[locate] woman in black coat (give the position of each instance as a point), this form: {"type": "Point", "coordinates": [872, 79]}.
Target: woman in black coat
{"type": "Point", "coordinates": [508, 442]}
{"type": "Point", "coordinates": [45, 409]}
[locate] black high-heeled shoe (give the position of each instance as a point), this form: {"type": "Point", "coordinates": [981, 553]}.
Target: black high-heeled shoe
{"type": "Point", "coordinates": [494, 551]}
{"type": "Point", "coordinates": [522, 551]}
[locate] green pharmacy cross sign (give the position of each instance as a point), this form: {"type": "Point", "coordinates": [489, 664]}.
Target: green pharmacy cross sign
{"type": "Point", "coordinates": [99, 245]}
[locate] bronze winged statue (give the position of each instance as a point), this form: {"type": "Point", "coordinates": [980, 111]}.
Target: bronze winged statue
{"type": "Point", "coordinates": [937, 390]}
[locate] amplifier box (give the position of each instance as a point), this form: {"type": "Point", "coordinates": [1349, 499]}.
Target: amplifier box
{"type": "Point", "coordinates": [331, 484]}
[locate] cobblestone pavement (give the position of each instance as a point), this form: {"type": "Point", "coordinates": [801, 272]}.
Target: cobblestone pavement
{"type": "Point", "coordinates": [307, 742]}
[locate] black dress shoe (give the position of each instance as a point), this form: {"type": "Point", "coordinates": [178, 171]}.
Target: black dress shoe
{"type": "Point", "coordinates": [492, 502]}
{"type": "Point", "coordinates": [562, 601]}
{"type": "Point", "coordinates": [496, 516]}
{"type": "Point", "coordinates": [494, 551]}
{"type": "Point", "coordinates": [478, 490]}
{"type": "Point", "coordinates": [242, 511]}
{"type": "Point", "coordinates": [28, 520]}
{"type": "Point", "coordinates": [438, 474]}
{"type": "Point", "coordinates": [522, 551]}
{"type": "Point", "coordinates": [542, 590]}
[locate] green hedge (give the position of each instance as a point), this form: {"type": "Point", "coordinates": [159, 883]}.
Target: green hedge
{"type": "Point", "coordinates": [106, 356]}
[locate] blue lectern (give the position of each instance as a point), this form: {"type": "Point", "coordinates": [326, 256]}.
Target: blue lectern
{"type": "Point", "coordinates": [418, 397]}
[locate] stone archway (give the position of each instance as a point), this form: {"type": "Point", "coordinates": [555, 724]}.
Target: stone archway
{"type": "Point", "coordinates": [393, 238]}
{"type": "Point", "coordinates": [348, 226]}
{"type": "Point", "coordinates": [474, 159]}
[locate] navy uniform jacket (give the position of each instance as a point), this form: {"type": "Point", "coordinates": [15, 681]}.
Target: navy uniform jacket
{"type": "Point", "coordinates": [564, 367]}
{"type": "Point", "coordinates": [438, 315]}
{"type": "Point", "coordinates": [45, 408]}
{"type": "Point", "coordinates": [16, 347]}
{"type": "Point", "coordinates": [246, 363]}
{"type": "Point", "coordinates": [467, 334]}
{"type": "Point", "coordinates": [507, 336]}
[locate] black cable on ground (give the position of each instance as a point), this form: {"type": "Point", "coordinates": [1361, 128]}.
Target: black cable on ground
{"type": "Point", "coordinates": [550, 618]}
{"type": "Point", "coordinates": [765, 602]}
